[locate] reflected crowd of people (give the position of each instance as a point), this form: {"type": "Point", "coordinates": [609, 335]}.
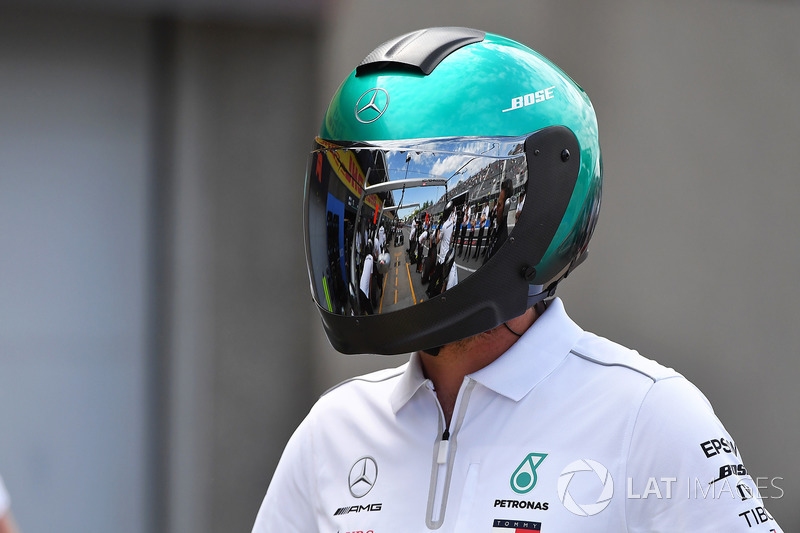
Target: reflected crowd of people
{"type": "Point", "coordinates": [472, 232]}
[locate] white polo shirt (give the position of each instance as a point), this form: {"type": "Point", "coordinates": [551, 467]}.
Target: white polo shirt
{"type": "Point", "coordinates": [366, 274]}
{"type": "Point", "coordinates": [565, 432]}
{"type": "Point", "coordinates": [446, 236]}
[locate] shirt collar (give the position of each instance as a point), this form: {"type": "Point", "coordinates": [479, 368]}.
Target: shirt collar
{"type": "Point", "coordinates": [410, 382]}
{"type": "Point", "coordinates": [534, 356]}
{"type": "Point", "coordinates": [515, 373]}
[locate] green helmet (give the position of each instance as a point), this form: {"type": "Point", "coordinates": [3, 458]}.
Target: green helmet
{"type": "Point", "coordinates": [440, 133]}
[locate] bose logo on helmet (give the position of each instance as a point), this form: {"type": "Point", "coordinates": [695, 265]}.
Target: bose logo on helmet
{"type": "Point", "coordinates": [531, 98]}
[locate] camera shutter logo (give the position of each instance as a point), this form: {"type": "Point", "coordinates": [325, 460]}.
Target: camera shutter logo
{"type": "Point", "coordinates": [363, 475]}
{"type": "Point", "coordinates": [603, 499]}
{"type": "Point", "coordinates": [524, 477]}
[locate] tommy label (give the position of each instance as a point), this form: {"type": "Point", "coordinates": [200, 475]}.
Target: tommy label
{"type": "Point", "coordinates": [516, 526]}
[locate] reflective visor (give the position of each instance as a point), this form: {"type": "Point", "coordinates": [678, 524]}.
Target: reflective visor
{"type": "Point", "coordinates": [390, 225]}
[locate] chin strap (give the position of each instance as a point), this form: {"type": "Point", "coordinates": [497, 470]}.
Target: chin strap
{"type": "Point", "coordinates": [511, 330]}
{"type": "Point", "coordinates": [539, 307]}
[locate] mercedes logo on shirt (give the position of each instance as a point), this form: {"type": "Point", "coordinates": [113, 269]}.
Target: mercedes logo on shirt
{"type": "Point", "coordinates": [372, 105]}
{"type": "Point", "coordinates": [362, 476]}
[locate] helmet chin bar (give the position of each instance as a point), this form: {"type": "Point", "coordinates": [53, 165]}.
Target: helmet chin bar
{"type": "Point", "coordinates": [501, 289]}
{"type": "Point", "coordinates": [537, 295]}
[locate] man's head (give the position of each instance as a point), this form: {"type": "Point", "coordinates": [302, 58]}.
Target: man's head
{"type": "Point", "coordinates": [448, 210]}
{"type": "Point", "coordinates": [438, 114]}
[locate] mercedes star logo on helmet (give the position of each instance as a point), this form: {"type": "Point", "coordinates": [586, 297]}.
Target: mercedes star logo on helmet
{"type": "Point", "coordinates": [372, 105]}
{"type": "Point", "coordinates": [362, 477]}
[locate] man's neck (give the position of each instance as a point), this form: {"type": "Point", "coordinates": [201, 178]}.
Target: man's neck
{"type": "Point", "coordinates": [459, 359]}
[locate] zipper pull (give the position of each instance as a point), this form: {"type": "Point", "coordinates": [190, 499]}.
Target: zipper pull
{"type": "Point", "coordinates": [444, 448]}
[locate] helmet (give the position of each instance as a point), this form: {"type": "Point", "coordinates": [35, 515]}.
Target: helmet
{"type": "Point", "coordinates": [384, 261]}
{"type": "Point", "coordinates": [448, 210]}
{"type": "Point", "coordinates": [431, 117]}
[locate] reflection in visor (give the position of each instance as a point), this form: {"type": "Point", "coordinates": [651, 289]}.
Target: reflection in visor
{"type": "Point", "coordinates": [390, 225]}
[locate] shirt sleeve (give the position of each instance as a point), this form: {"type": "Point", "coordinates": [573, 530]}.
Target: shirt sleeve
{"type": "Point", "coordinates": [685, 472]}
{"type": "Point", "coordinates": [5, 501]}
{"type": "Point", "coordinates": [289, 503]}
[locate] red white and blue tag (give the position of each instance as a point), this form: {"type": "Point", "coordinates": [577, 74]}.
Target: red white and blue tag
{"type": "Point", "coordinates": [516, 526]}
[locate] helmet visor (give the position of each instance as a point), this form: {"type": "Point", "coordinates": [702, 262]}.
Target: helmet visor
{"type": "Point", "coordinates": [392, 224]}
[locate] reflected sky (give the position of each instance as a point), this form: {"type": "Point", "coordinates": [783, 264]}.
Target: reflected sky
{"type": "Point", "coordinates": [455, 160]}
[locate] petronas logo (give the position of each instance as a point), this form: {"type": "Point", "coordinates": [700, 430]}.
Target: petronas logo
{"type": "Point", "coordinates": [524, 477]}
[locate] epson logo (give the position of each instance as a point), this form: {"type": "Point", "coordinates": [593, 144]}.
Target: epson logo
{"type": "Point", "coordinates": [717, 446]}
{"type": "Point", "coordinates": [373, 507]}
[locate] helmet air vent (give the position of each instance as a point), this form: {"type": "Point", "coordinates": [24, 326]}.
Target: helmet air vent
{"type": "Point", "coordinates": [419, 51]}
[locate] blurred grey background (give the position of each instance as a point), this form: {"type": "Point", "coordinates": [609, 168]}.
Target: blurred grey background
{"type": "Point", "coordinates": [158, 343]}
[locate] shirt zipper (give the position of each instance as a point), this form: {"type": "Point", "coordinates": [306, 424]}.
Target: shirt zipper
{"type": "Point", "coordinates": [444, 456]}
{"type": "Point", "coordinates": [444, 448]}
